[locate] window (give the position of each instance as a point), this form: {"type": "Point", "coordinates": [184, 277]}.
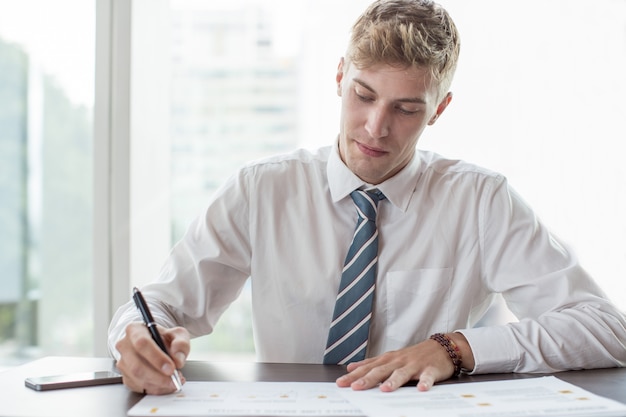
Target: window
{"type": "Point", "coordinates": [46, 102]}
{"type": "Point", "coordinates": [537, 98]}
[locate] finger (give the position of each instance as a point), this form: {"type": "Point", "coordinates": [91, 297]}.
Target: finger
{"type": "Point", "coordinates": [142, 379]}
{"type": "Point", "coordinates": [138, 375]}
{"type": "Point", "coordinates": [353, 365]}
{"type": "Point", "coordinates": [345, 380]}
{"type": "Point", "coordinates": [150, 386]}
{"type": "Point", "coordinates": [373, 377]}
{"type": "Point", "coordinates": [355, 371]}
{"type": "Point", "coordinates": [178, 341]}
{"type": "Point", "coordinates": [131, 376]}
{"type": "Point", "coordinates": [397, 378]}
{"type": "Point", "coordinates": [426, 380]}
{"type": "Point", "coordinates": [142, 342]}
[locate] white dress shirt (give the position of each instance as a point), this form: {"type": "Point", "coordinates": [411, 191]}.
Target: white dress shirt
{"type": "Point", "coordinates": [451, 235]}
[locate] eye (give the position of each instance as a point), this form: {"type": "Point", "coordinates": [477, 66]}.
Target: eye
{"type": "Point", "coordinates": [363, 96]}
{"type": "Point", "coordinates": [407, 112]}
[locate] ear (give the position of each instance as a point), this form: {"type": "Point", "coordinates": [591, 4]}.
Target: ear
{"type": "Point", "coordinates": [339, 76]}
{"type": "Point", "coordinates": [440, 108]}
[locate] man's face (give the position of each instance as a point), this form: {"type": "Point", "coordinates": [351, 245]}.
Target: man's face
{"type": "Point", "coordinates": [384, 110]}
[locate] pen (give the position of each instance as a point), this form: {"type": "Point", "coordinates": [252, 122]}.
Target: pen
{"type": "Point", "coordinates": [141, 304]}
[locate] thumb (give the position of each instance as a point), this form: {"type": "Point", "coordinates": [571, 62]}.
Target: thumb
{"type": "Point", "coordinates": [179, 358]}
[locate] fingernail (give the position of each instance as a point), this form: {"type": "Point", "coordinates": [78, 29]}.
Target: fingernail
{"type": "Point", "coordinates": [180, 357]}
{"type": "Point", "coordinates": [167, 369]}
{"type": "Point", "coordinates": [421, 386]}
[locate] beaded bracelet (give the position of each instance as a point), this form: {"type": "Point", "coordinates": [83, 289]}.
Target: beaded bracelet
{"type": "Point", "coordinates": [451, 348]}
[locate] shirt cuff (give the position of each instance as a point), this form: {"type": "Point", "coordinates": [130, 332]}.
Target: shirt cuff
{"type": "Point", "coordinates": [493, 348]}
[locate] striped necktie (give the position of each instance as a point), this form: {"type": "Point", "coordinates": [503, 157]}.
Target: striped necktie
{"type": "Point", "coordinates": [349, 329]}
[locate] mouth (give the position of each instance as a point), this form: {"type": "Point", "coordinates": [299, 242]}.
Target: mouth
{"type": "Point", "coordinates": [370, 150]}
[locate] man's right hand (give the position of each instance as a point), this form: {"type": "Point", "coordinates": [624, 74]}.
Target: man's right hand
{"type": "Point", "coordinates": [144, 366]}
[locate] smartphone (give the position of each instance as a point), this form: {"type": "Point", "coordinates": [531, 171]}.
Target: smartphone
{"type": "Point", "coordinates": [85, 379]}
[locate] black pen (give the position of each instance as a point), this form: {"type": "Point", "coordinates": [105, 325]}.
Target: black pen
{"type": "Point", "coordinates": [141, 304]}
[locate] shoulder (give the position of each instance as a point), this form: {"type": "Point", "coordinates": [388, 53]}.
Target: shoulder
{"type": "Point", "coordinates": [436, 166]}
{"type": "Point", "coordinates": [288, 170]}
{"type": "Point", "coordinates": [294, 160]}
{"type": "Point", "coordinates": [441, 176]}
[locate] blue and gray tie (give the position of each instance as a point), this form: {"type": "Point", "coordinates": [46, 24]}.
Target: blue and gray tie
{"type": "Point", "coordinates": [349, 329]}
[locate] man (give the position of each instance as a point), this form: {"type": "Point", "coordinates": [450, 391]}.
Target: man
{"type": "Point", "coordinates": [446, 237]}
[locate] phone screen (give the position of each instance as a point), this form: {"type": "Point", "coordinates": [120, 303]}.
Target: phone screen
{"type": "Point", "coordinates": [84, 379]}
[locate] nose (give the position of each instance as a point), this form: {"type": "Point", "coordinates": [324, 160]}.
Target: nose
{"type": "Point", "coordinates": [377, 123]}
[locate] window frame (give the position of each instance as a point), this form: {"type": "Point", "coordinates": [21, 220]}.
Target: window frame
{"type": "Point", "coordinates": [131, 148]}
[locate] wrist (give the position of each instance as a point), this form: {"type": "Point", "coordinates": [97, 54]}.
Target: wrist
{"type": "Point", "coordinates": [452, 350]}
{"type": "Point", "coordinates": [464, 347]}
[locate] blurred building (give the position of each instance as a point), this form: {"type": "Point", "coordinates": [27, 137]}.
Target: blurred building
{"type": "Point", "coordinates": [233, 100]}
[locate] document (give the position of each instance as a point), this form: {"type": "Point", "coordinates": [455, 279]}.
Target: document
{"type": "Point", "coordinates": [541, 396]}
{"type": "Point", "coordinates": [218, 399]}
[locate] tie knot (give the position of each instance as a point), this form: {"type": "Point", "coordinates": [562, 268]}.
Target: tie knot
{"type": "Point", "coordinates": [367, 202]}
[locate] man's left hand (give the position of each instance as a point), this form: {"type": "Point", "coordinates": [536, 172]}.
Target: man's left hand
{"type": "Point", "coordinates": [427, 362]}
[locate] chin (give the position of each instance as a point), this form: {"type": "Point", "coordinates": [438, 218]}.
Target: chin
{"type": "Point", "coordinates": [368, 176]}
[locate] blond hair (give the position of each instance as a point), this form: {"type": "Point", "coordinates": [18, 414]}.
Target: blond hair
{"type": "Point", "coordinates": [407, 33]}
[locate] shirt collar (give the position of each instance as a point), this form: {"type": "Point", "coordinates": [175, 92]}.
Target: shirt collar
{"type": "Point", "coordinates": [397, 189]}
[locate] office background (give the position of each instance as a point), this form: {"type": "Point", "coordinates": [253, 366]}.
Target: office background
{"type": "Point", "coordinates": [119, 118]}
